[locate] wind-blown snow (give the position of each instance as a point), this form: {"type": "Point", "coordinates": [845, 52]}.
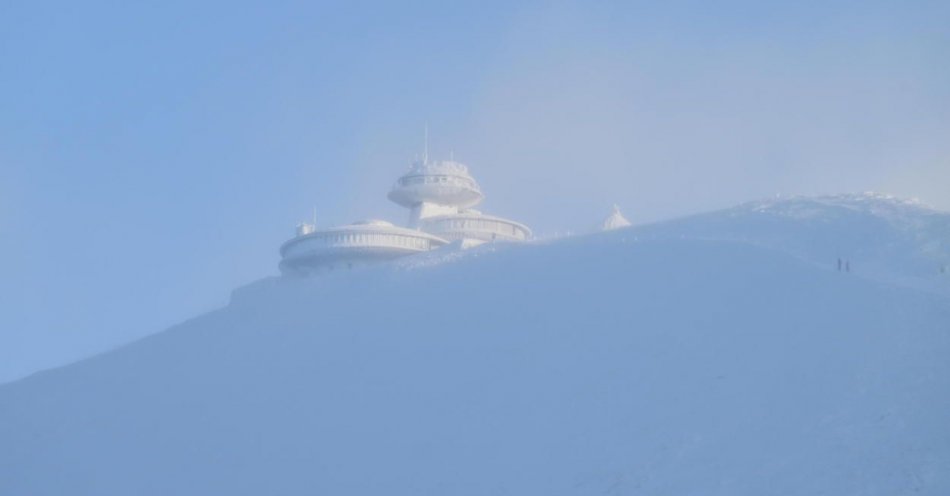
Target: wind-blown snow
{"type": "Point", "coordinates": [884, 238]}
{"type": "Point", "coordinates": [640, 361]}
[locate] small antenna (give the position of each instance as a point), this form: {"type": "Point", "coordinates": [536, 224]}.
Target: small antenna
{"type": "Point", "coordinates": [425, 155]}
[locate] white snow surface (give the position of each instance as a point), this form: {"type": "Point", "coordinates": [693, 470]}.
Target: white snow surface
{"type": "Point", "coordinates": [882, 237]}
{"type": "Point", "coordinates": [717, 355]}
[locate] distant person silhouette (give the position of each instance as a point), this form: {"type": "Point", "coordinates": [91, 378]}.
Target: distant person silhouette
{"type": "Point", "coordinates": [839, 265]}
{"type": "Point", "coordinates": [847, 266]}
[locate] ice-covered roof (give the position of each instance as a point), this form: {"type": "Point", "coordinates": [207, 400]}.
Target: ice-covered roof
{"type": "Point", "coordinates": [439, 167]}
{"type": "Point", "coordinates": [373, 222]}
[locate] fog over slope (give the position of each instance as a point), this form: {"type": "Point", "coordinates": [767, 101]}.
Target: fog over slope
{"type": "Point", "coordinates": [881, 237]}
{"type": "Point", "coordinates": [665, 360]}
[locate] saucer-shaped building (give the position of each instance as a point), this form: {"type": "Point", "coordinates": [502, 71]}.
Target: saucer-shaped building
{"type": "Point", "coordinates": [439, 196]}
{"type": "Point", "coordinates": [349, 246]}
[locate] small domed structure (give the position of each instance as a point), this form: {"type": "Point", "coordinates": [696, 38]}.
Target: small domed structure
{"type": "Point", "coordinates": [615, 220]}
{"type": "Point", "coordinates": [358, 244]}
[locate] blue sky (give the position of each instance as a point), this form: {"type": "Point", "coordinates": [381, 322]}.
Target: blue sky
{"type": "Point", "coordinates": [154, 155]}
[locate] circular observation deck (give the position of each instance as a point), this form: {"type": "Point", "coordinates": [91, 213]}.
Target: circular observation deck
{"type": "Point", "coordinates": [353, 245]}
{"type": "Point", "coordinates": [475, 226]}
{"type": "Point", "coordinates": [441, 182]}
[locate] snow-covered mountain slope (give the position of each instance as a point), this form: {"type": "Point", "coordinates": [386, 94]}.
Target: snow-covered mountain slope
{"type": "Point", "coordinates": [608, 364]}
{"type": "Point", "coordinates": [877, 236]}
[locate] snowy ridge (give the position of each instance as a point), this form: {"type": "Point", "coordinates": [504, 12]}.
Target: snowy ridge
{"type": "Point", "coordinates": [878, 203]}
{"type": "Point", "coordinates": [882, 237]}
{"type": "Point", "coordinates": [639, 361]}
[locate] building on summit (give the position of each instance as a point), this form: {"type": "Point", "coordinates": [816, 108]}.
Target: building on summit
{"type": "Point", "coordinates": [439, 195]}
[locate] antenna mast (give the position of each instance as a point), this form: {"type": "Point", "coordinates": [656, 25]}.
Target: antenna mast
{"type": "Point", "coordinates": [425, 154]}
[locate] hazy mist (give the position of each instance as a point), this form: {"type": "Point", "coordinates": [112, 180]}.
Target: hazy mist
{"type": "Point", "coordinates": [152, 158]}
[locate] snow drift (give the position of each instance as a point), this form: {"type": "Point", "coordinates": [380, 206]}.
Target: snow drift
{"type": "Point", "coordinates": [641, 361]}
